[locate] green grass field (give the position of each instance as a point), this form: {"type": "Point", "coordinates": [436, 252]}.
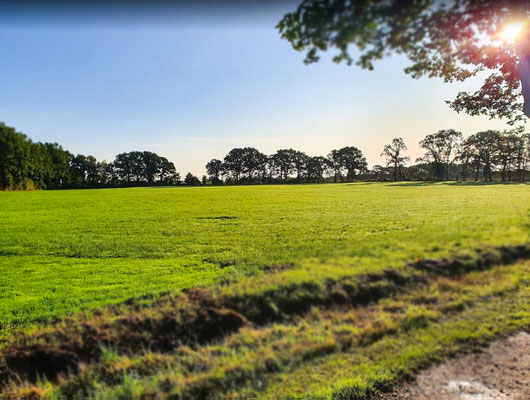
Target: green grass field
{"type": "Point", "coordinates": [61, 250]}
{"type": "Point", "coordinates": [304, 263]}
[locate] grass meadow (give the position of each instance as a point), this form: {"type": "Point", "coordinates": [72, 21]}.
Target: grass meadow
{"type": "Point", "coordinates": [255, 291]}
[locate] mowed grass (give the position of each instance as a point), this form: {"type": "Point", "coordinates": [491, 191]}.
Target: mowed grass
{"type": "Point", "coordinates": [64, 250]}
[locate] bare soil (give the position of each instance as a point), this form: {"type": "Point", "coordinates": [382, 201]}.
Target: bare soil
{"type": "Point", "coordinates": [501, 372]}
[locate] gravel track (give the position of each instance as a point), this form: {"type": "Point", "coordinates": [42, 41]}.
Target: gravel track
{"type": "Point", "coordinates": [500, 372]}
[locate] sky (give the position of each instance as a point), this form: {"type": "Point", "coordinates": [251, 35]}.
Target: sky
{"type": "Point", "coordinates": [192, 82]}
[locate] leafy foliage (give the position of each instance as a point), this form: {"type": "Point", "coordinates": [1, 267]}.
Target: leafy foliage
{"type": "Point", "coordinates": [453, 40]}
{"type": "Point", "coordinates": [28, 165]}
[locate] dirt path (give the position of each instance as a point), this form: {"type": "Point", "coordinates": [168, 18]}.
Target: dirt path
{"type": "Point", "coordinates": [501, 372]}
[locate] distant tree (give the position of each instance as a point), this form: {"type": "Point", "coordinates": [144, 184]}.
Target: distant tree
{"type": "Point", "coordinates": [523, 155]}
{"type": "Point", "coordinates": [146, 167]}
{"type": "Point", "coordinates": [264, 172]}
{"type": "Point", "coordinates": [102, 172]}
{"type": "Point", "coordinates": [167, 173]}
{"type": "Point", "coordinates": [419, 172]}
{"type": "Point", "coordinates": [316, 168]}
{"type": "Point", "coordinates": [111, 174]}
{"type": "Point", "coordinates": [214, 169]}
{"type": "Point", "coordinates": [336, 165]}
{"type": "Point", "coordinates": [150, 164]}
{"type": "Point", "coordinates": [204, 180]}
{"type": "Point", "coordinates": [92, 170]}
{"type": "Point", "coordinates": [15, 158]}
{"type": "Point", "coordinates": [300, 160]}
{"type": "Point", "coordinates": [272, 169]}
{"type": "Point", "coordinates": [40, 165]}
{"type": "Point", "coordinates": [506, 149]}
{"type": "Point", "coordinates": [472, 146]}
{"type": "Point", "coordinates": [526, 151]}
{"type": "Point", "coordinates": [252, 162]}
{"type": "Point", "coordinates": [381, 173]}
{"type": "Point", "coordinates": [79, 170]}
{"type": "Point", "coordinates": [352, 160]}
{"type": "Point", "coordinates": [123, 167]}
{"type": "Point", "coordinates": [233, 163]}
{"type": "Point", "coordinates": [394, 156]}
{"type": "Point", "coordinates": [191, 179]}
{"type": "Point", "coordinates": [465, 154]}
{"type": "Point", "coordinates": [485, 145]}
{"type": "Point", "coordinates": [439, 148]}
{"type": "Point", "coordinates": [60, 160]}
{"type": "Point", "coordinates": [452, 40]}
{"type": "Point", "coordinates": [283, 161]}
{"type": "Point", "coordinates": [137, 165]}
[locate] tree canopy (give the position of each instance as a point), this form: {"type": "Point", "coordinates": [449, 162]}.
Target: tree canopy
{"type": "Point", "coordinates": [394, 155]}
{"type": "Point", "coordinates": [28, 165]}
{"type": "Point", "coordinates": [439, 148]}
{"type": "Point", "coordinates": [453, 40]}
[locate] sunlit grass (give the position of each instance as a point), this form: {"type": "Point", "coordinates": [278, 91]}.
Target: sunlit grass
{"type": "Point", "coordinates": [62, 250]}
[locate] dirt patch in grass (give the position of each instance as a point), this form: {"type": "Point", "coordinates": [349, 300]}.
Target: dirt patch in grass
{"type": "Point", "coordinates": [500, 372]}
{"type": "Point", "coordinates": [219, 217]}
{"type": "Point", "coordinates": [482, 259]}
{"type": "Point", "coordinates": [40, 362]}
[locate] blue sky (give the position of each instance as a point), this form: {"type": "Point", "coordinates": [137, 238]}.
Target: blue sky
{"type": "Point", "coordinates": [192, 84]}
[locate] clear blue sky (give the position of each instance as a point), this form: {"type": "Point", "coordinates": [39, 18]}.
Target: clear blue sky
{"type": "Point", "coordinates": [192, 83]}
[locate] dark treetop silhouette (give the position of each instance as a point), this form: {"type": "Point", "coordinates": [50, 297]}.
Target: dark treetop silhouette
{"type": "Point", "coordinates": [445, 39]}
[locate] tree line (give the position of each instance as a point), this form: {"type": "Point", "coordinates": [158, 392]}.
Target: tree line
{"type": "Point", "coordinates": [25, 164]}
{"type": "Point", "coordinates": [249, 165]}
{"type": "Point", "coordinates": [487, 156]}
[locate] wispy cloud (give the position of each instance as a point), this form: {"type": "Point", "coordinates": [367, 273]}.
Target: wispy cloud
{"type": "Point", "coordinates": [150, 145]}
{"type": "Point", "coordinates": [245, 140]}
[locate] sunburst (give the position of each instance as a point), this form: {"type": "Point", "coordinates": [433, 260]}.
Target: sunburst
{"type": "Point", "coordinates": [511, 31]}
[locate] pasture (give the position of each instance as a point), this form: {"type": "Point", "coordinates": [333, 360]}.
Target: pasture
{"type": "Point", "coordinates": [299, 283]}
{"type": "Point", "coordinates": [61, 250]}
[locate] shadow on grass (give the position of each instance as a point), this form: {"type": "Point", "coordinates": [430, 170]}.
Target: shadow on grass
{"type": "Point", "coordinates": [457, 183]}
{"type": "Point", "coordinates": [473, 183]}
{"type": "Point", "coordinates": [422, 183]}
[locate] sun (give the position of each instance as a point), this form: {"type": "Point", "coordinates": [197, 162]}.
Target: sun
{"type": "Point", "coordinates": [511, 31]}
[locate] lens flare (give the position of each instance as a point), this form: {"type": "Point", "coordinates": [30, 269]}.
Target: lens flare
{"type": "Point", "coordinates": [511, 31]}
